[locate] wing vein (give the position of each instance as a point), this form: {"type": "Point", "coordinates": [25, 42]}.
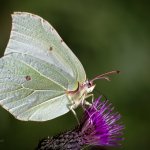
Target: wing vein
{"type": "Point", "coordinates": [19, 99]}
{"type": "Point", "coordinates": [41, 104]}
{"type": "Point", "coordinates": [42, 74]}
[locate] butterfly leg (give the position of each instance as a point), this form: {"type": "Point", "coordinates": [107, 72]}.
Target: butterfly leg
{"type": "Point", "coordinates": [71, 107]}
{"type": "Point", "coordinates": [87, 96]}
{"type": "Point", "coordinates": [87, 103]}
{"type": "Point", "coordinates": [84, 102]}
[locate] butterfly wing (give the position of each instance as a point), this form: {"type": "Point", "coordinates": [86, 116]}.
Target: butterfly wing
{"type": "Point", "coordinates": [34, 36]}
{"type": "Point", "coordinates": [32, 89]}
{"type": "Point", "coordinates": [36, 71]}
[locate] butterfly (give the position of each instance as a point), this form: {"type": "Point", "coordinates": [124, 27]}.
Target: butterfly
{"type": "Point", "coordinates": [40, 77]}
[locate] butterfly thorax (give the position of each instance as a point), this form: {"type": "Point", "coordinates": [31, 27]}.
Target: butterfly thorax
{"type": "Point", "coordinates": [79, 95]}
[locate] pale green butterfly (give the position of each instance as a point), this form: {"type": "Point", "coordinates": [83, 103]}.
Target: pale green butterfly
{"type": "Point", "coordinates": [40, 77]}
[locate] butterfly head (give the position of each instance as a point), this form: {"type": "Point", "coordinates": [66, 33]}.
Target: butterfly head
{"type": "Point", "coordinates": [90, 86]}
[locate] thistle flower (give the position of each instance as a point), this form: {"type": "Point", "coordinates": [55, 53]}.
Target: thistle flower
{"type": "Point", "coordinates": [99, 126]}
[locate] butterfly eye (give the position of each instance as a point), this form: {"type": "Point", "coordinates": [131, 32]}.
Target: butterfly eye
{"type": "Point", "coordinates": [89, 84]}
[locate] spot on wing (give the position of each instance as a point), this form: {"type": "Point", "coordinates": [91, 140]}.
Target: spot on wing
{"type": "Point", "coordinates": [28, 78]}
{"type": "Point", "coordinates": [51, 48]}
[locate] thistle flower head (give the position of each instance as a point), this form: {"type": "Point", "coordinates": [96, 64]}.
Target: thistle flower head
{"type": "Point", "coordinates": [99, 126]}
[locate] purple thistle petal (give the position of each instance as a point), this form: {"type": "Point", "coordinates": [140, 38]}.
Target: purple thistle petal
{"type": "Point", "coordinates": [100, 126]}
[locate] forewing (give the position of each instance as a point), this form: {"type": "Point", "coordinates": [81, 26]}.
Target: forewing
{"type": "Point", "coordinates": [30, 89]}
{"type": "Point", "coordinates": [34, 36]}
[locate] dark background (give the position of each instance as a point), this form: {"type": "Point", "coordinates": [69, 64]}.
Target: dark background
{"type": "Point", "coordinates": [105, 35]}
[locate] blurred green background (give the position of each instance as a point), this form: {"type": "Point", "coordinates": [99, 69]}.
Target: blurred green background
{"type": "Point", "coordinates": [105, 35]}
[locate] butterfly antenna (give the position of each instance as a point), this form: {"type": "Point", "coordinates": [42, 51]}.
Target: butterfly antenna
{"type": "Point", "coordinates": [105, 75]}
